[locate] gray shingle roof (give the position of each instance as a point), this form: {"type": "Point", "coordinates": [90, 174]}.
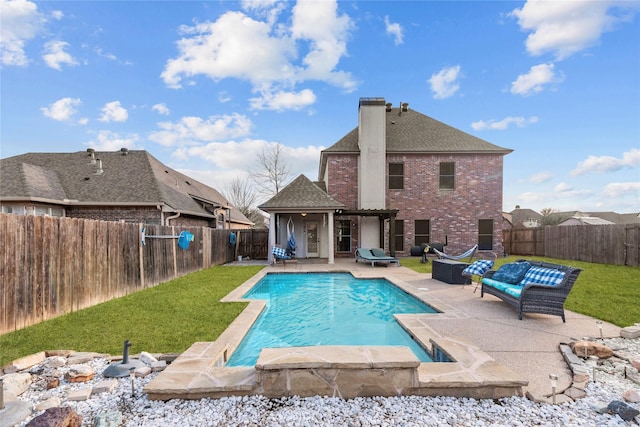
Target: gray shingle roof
{"type": "Point", "coordinates": [414, 132]}
{"type": "Point", "coordinates": [132, 178]}
{"type": "Point", "coordinates": [301, 193]}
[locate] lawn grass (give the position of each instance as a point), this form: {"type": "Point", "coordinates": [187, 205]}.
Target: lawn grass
{"type": "Point", "coordinates": [167, 318]}
{"type": "Point", "coordinates": [606, 292]}
{"type": "Point", "coordinates": [170, 317]}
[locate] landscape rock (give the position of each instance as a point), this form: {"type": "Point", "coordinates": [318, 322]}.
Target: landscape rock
{"type": "Point", "coordinates": [17, 383]}
{"type": "Point", "coordinates": [630, 332]}
{"type": "Point", "coordinates": [147, 358]}
{"type": "Point", "coordinates": [63, 353]}
{"type": "Point", "coordinates": [159, 365]}
{"type": "Point", "coordinates": [589, 348]}
{"type": "Point", "coordinates": [632, 396]}
{"type": "Point", "coordinates": [79, 374]}
{"type": "Point", "coordinates": [51, 402]}
{"type": "Point", "coordinates": [25, 362]}
{"type": "Point", "coordinates": [104, 386]}
{"type": "Point", "coordinates": [57, 417]}
{"type": "Point", "coordinates": [108, 419]}
{"type": "Point", "coordinates": [52, 382]}
{"type": "Point", "coordinates": [623, 410]}
{"type": "Point", "coordinates": [143, 371]}
{"type": "Point", "coordinates": [55, 362]}
{"type": "Point", "coordinates": [14, 413]}
{"type": "Point", "coordinates": [80, 394]}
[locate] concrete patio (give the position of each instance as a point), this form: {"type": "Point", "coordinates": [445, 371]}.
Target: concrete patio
{"type": "Point", "coordinates": [494, 354]}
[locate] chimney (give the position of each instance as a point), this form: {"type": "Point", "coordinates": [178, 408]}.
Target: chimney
{"type": "Point", "coordinates": [372, 142]}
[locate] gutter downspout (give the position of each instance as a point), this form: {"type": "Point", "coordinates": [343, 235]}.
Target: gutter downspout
{"type": "Point", "coordinates": [169, 218]}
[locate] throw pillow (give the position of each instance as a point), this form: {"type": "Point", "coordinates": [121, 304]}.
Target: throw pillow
{"type": "Point", "coordinates": [478, 268]}
{"type": "Point", "coordinates": [511, 273]}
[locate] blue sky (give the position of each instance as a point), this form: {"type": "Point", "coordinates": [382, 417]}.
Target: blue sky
{"type": "Point", "coordinates": [206, 86]}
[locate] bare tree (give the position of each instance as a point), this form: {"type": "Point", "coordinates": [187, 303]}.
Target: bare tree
{"type": "Point", "coordinates": [271, 173]}
{"type": "Point", "coordinates": [242, 195]}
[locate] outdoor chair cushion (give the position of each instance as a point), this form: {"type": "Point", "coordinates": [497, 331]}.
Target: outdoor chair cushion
{"type": "Point", "coordinates": [511, 273]}
{"type": "Point", "coordinates": [280, 253]}
{"type": "Point", "coordinates": [543, 276]}
{"type": "Point", "coordinates": [478, 268]}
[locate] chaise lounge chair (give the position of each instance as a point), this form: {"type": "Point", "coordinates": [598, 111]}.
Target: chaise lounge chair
{"type": "Point", "coordinates": [375, 255]}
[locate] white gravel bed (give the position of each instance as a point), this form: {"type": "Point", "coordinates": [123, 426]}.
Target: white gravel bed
{"type": "Point", "coordinates": [325, 411]}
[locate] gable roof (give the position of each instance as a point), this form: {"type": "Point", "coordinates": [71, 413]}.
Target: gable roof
{"type": "Point", "coordinates": [409, 131]}
{"type": "Point", "coordinates": [130, 177]}
{"type": "Point", "coordinates": [301, 193]}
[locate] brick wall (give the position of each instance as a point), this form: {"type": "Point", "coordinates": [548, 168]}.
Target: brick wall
{"type": "Point", "coordinates": [145, 215]}
{"type": "Point", "coordinates": [455, 214]}
{"type": "Point", "coordinates": [342, 173]}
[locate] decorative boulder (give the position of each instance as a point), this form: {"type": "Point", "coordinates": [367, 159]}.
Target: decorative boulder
{"type": "Point", "coordinates": [590, 348]}
{"type": "Point", "coordinates": [57, 417]}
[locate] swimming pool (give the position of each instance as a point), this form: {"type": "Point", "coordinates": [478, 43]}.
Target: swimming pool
{"type": "Point", "coordinates": [312, 309]}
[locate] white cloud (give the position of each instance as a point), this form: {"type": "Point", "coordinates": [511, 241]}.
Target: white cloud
{"type": "Point", "coordinates": [114, 112]}
{"type": "Point", "coordinates": [540, 177]}
{"type": "Point", "coordinates": [284, 100]}
{"type": "Point", "coordinates": [20, 22]}
{"type": "Point", "coordinates": [62, 110]}
{"type": "Point", "coordinates": [54, 54]}
{"type": "Point", "coordinates": [444, 84]}
{"type": "Point", "coordinates": [110, 56]}
{"type": "Point", "coordinates": [563, 187]}
{"type": "Point", "coordinates": [111, 141]}
{"type": "Point", "coordinates": [567, 27]}
{"type": "Point", "coordinates": [534, 81]}
{"type": "Point", "coordinates": [602, 164]}
{"type": "Point", "coordinates": [266, 52]}
{"type": "Point", "coordinates": [234, 158]}
{"type": "Point", "coordinates": [504, 123]}
{"type": "Point", "coordinates": [161, 109]}
{"type": "Point", "coordinates": [196, 131]}
{"type": "Point", "coordinates": [224, 97]}
{"type": "Point", "coordinates": [620, 189]}
{"type": "Point", "coordinates": [395, 30]}
{"type": "Point", "coordinates": [57, 15]}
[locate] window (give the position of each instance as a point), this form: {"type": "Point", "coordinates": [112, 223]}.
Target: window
{"type": "Point", "coordinates": [343, 238]}
{"type": "Point", "coordinates": [422, 232]}
{"type": "Point", "coordinates": [220, 221]}
{"type": "Point", "coordinates": [485, 234]}
{"type": "Point", "coordinates": [399, 235]}
{"type": "Point", "coordinates": [447, 176]}
{"type": "Point", "coordinates": [396, 176]}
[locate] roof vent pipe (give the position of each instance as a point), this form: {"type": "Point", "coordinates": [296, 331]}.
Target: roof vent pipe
{"type": "Point", "coordinates": [389, 106]}
{"type": "Point", "coordinates": [93, 157]}
{"type": "Point", "coordinates": [100, 171]}
{"type": "Point", "coordinates": [405, 107]}
{"type": "Point", "coordinates": [124, 151]}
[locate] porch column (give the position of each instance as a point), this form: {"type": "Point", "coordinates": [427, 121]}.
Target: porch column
{"type": "Point", "coordinates": [272, 236]}
{"type": "Point", "coordinates": [331, 240]}
{"type": "Point", "coordinates": [392, 235]}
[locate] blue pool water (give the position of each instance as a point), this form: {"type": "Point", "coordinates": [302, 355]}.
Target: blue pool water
{"type": "Point", "coordinates": [327, 309]}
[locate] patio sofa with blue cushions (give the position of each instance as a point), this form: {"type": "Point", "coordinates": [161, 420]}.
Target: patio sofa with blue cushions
{"type": "Point", "coordinates": [531, 286]}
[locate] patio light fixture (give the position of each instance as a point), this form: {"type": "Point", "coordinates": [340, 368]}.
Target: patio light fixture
{"type": "Point", "coordinates": [554, 384]}
{"type": "Point", "coordinates": [599, 323]}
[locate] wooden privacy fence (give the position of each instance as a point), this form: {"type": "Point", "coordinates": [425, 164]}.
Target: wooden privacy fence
{"type": "Point", "coordinates": [603, 244]}
{"type": "Point", "coordinates": [52, 266]}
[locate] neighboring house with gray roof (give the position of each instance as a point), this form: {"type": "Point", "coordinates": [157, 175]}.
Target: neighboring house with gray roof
{"type": "Point", "coordinates": [126, 185]}
{"type": "Point", "coordinates": [403, 179]}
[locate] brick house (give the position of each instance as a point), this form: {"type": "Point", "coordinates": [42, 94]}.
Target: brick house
{"type": "Point", "coordinates": [402, 179]}
{"type": "Point", "coordinates": [125, 186]}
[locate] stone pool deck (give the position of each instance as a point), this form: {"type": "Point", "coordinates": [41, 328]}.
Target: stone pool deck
{"type": "Point", "coordinates": [495, 354]}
